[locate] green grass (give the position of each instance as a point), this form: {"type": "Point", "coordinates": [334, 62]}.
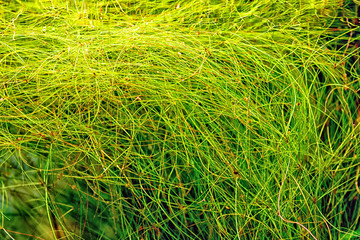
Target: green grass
{"type": "Point", "coordinates": [179, 120]}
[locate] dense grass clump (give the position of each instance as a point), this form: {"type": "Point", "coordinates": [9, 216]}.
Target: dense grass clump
{"type": "Point", "coordinates": [179, 119]}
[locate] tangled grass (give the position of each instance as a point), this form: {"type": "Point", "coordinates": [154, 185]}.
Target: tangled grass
{"type": "Point", "coordinates": [179, 120]}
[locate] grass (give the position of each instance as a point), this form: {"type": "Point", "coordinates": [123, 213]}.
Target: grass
{"type": "Point", "coordinates": [179, 120]}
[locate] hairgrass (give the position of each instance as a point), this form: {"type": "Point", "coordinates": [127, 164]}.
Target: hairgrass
{"type": "Point", "coordinates": [179, 120]}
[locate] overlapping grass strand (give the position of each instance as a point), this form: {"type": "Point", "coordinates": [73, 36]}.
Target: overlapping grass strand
{"type": "Point", "coordinates": [177, 120]}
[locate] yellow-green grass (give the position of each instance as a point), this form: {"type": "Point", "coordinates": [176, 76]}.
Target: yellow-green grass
{"type": "Point", "coordinates": [179, 120]}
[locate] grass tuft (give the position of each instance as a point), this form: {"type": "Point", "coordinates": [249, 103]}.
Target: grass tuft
{"type": "Point", "coordinates": [179, 119]}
